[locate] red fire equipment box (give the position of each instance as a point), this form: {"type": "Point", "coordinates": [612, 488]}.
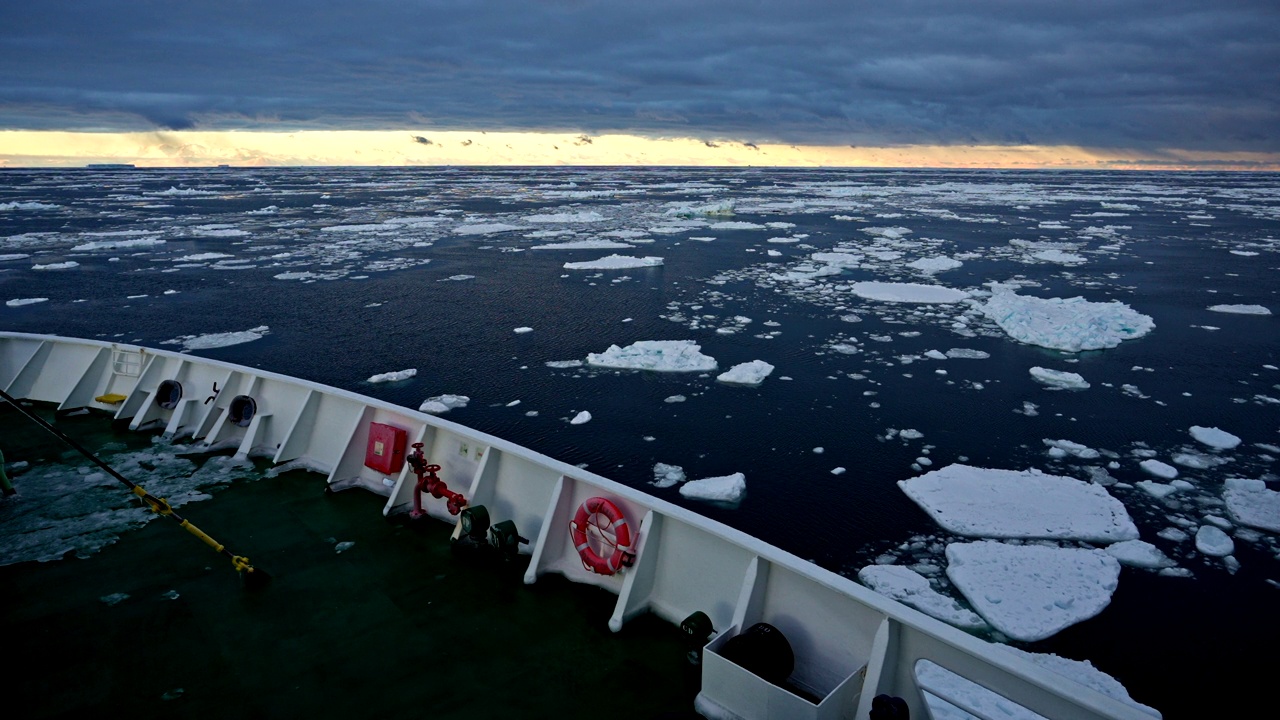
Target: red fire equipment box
{"type": "Point", "coordinates": [386, 448]}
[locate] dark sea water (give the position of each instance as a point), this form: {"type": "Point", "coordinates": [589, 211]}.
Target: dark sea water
{"type": "Point", "coordinates": [349, 270]}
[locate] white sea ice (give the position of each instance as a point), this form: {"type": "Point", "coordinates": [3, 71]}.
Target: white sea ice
{"type": "Point", "coordinates": [485, 228]}
{"type": "Point", "coordinates": [1067, 447]}
{"type": "Point", "coordinates": [394, 376]}
{"type": "Point", "coordinates": [57, 266]}
{"type": "Point", "coordinates": [1059, 379]}
{"type": "Point", "coordinates": [1213, 542]}
{"type": "Point", "coordinates": [938, 682]}
{"type": "Point", "coordinates": [1140, 554]}
{"type": "Point", "coordinates": [992, 503]}
{"type": "Point", "coordinates": [911, 588]}
{"type": "Point", "coordinates": [584, 216]}
{"type": "Point", "coordinates": [967, 354]}
{"type": "Point", "coordinates": [580, 418]}
{"type": "Point", "coordinates": [907, 292]}
{"type": "Point", "coordinates": [657, 355]}
{"type": "Point", "coordinates": [1030, 592]}
{"type": "Point", "coordinates": [522, 330]}
{"type": "Point", "coordinates": [614, 262]}
{"type": "Point", "coordinates": [19, 302]}
{"type": "Point", "coordinates": [665, 475]}
{"type": "Point", "coordinates": [1214, 437]}
{"type": "Point", "coordinates": [117, 244]}
{"type": "Point", "coordinates": [443, 403]}
{"type": "Point", "coordinates": [931, 265]}
{"type": "Point", "coordinates": [1250, 503]}
{"type": "Point", "coordinates": [727, 488]}
{"type": "Point", "coordinates": [1159, 469]}
{"type": "Point", "coordinates": [218, 340]}
{"type": "Point", "coordinates": [1236, 309]}
{"type": "Point", "coordinates": [1058, 256]}
{"type": "Point", "coordinates": [584, 245]}
{"type": "Point", "coordinates": [1157, 490]}
{"type": "Point", "coordinates": [1072, 324]}
{"type": "Point", "coordinates": [747, 373]}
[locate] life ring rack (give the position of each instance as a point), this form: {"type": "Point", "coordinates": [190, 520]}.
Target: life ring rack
{"type": "Point", "coordinates": [622, 555]}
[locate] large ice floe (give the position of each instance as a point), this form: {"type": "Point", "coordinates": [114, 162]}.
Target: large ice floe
{"type": "Point", "coordinates": [727, 488]}
{"type": "Point", "coordinates": [907, 292]}
{"type": "Point", "coordinates": [1252, 504]}
{"type": "Point", "coordinates": [1070, 324]}
{"type": "Point", "coordinates": [218, 340]}
{"type": "Point", "coordinates": [614, 262]}
{"type": "Point", "coordinates": [938, 683]}
{"type": "Point", "coordinates": [657, 355]}
{"type": "Point", "coordinates": [1241, 309]}
{"type": "Point", "coordinates": [991, 503]}
{"type": "Point", "coordinates": [911, 588]}
{"type": "Point", "coordinates": [1059, 379]}
{"type": "Point", "coordinates": [747, 373]}
{"type": "Point", "coordinates": [1030, 592]}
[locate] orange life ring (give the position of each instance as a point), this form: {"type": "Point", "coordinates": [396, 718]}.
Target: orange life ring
{"type": "Point", "coordinates": [621, 544]}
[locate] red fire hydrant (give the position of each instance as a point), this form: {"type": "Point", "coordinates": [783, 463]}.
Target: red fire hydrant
{"type": "Point", "coordinates": [431, 483]}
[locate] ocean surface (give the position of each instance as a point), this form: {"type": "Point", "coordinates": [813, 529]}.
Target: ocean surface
{"type": "Point", "coordinates": [339, 274]}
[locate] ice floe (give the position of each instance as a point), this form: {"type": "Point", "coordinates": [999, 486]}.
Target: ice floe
{"type": "Point", "coordinates": [584, 245]}
{"type": "Point", "coordinates": [19, 302]}
{"type": "Point", "coordinates": [1211, 541]}
{"type": "Point", "coordinates": [210, 341]}
{"type": "Point", "coordinates": [907, 292]}
{"type": "Point", "coordinates": [614, 262]}
{"type": "Point", "coordinates": [1241, 309]}
{"type": "Point", "coordinates": [935, 264]}
{"type": "Point", "coordinates": [1140, 554]}
{"type": "Point", "coordinates": [911, 588]}
{"type": "Point", "coordinates": [1159, 469]}
{"type": "Point", "coordinates": [1072, 324]}
{"type": "Point", "coordinates": [1059, 379]}
{"type": "Point", "coordinates": [443, 403]}
{"type": "Point", "coordinates": [1250, 503]}
{"type": "Point", "coordinates": [1214, 437]}
{"type": "Point", "coordinates": [665, 475]}
{"type": "Point", "coordinates": [57, 266]}
{"type": "Point", "coordinates": [938, 683]}
{"type": "Point", "coordinates": [394, 376]}
{"type": "Point", "coordinates": [657, 355]}
{"type": "Point", "coordinates": [1030, 592]}
{"type": "Point", "coordinates": [747, 373]}
{"type": "Point", "coordinates": [993, 503]}
{"type": "Point", "coordinates": [726, 488]}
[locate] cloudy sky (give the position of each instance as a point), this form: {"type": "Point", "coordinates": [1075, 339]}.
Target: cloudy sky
{"type": "Point", "coordinates": [1121, 79]}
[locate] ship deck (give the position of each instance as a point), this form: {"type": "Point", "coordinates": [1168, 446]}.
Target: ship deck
{"type": "Point", "coordinates": [394, 626]}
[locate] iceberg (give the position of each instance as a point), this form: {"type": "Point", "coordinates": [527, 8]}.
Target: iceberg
{"type": "Point", "coordinates": [1071, 325]}
{"type": "Point", "coordinates": [657, 355]}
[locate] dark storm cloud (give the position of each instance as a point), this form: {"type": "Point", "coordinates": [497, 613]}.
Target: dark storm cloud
{"type": "Point", "coordinates": [1127, 74]}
